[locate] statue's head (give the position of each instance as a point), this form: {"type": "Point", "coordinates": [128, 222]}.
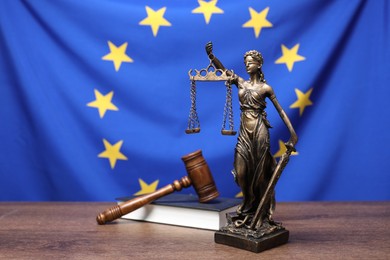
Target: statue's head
{"type": "Point", "coordinates": [256, 56]}
{"type": "Point", "coordinates": [254, 61]}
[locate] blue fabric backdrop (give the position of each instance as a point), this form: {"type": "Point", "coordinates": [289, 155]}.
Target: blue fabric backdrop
{"type": "Point", "coordinates": [95, 94]}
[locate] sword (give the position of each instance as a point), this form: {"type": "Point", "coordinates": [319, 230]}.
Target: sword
{"type": "Point", "coordinates": [272, 183]}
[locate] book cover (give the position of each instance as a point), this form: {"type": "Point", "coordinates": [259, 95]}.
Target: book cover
{"type": "Point", "coordinates": [185, 210]}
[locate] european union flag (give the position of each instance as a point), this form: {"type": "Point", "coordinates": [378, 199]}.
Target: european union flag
{"type": "Point", "coordinates": [95, 95]}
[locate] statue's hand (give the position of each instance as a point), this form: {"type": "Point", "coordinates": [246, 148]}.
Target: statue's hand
{"type": "Point", "coordinates": [290, 146]}
{"type": "Point", "coordinates": [209, 49]}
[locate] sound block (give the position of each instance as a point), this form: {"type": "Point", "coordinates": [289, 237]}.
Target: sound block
{"type": "Point", "coordinates": [257, 245]}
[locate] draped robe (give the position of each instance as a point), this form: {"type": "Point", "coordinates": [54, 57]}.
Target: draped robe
{"type": "Point", "coordinates": [253, 162]}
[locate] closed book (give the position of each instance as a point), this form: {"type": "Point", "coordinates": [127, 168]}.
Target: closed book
{"type": "Point", "coordinates": [185, 210]}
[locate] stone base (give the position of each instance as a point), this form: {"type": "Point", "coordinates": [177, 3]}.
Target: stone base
{"type": "Point", "coordinates": [257, 245]}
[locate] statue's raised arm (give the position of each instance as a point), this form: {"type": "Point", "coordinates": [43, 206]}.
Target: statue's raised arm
{"type": "Point", "coordinates": [218, 65]}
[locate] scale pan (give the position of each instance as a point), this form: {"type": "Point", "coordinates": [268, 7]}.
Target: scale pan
{"type": "Point", "coordinates": [228, 132]}
{"type": "Point", "coordinates": [192, 130]}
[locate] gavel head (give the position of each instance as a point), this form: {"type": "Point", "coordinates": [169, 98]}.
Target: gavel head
{"type": "Point", "coordinates": [200, 176]}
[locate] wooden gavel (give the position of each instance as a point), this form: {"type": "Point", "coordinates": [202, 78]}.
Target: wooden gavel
{"type": "Point", "coordinates": [199, 176]}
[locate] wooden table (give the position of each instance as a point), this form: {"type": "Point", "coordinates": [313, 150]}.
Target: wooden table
{"type": "Point", "coordinates": [318, 230]}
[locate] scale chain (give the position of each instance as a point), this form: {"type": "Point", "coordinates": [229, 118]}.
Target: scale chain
{"type": "Point", "coordinates": [231, 122]}
{"type": "Point", "coordinates": [228, 112]}
{"type": "Point", "coordinates": [193, 120]}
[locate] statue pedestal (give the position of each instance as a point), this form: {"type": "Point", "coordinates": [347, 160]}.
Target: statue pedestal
{"type": "Point", "coordinates": [257, 245]}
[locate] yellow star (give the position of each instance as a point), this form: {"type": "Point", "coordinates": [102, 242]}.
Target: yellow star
{"type": "Point", "coordinates": [112, 152]}
{"type": "Point", "coordinates": [239, 195]}
{"type": "Point", "coordinates": [103, 103]}
{"type": "Point", "coordinates": [155, 19]}
{"type": "Point", "coordinates": [290, 56]}
{"type": "Point", "coordinates": [117, 55]}
{"type": "Point", "coordinates": [282, 150]}
{"type": "Point", "coordinates": [146, 188]}
{"type": "Point", "coordinates": [258, 20]}
{"type": "Point", "coordinates": [303, 100]}
{"type": "Point", "coordinates": [207, 8]}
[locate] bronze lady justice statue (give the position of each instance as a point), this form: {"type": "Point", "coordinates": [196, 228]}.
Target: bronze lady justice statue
{"type": "Point", "coordinates": [253, 162]}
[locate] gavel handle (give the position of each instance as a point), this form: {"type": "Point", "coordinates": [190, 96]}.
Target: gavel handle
{"type": "Point", "coordinates": [136, 203]}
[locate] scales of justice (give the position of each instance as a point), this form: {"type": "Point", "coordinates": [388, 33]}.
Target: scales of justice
{"type": "Point", "coordinates": [211, 73]}
{"type": "Point", "coordinates": [255, 170]}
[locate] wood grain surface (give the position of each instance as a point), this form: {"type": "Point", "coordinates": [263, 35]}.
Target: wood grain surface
{"type": "Point", "coordinates": [318, 230]}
